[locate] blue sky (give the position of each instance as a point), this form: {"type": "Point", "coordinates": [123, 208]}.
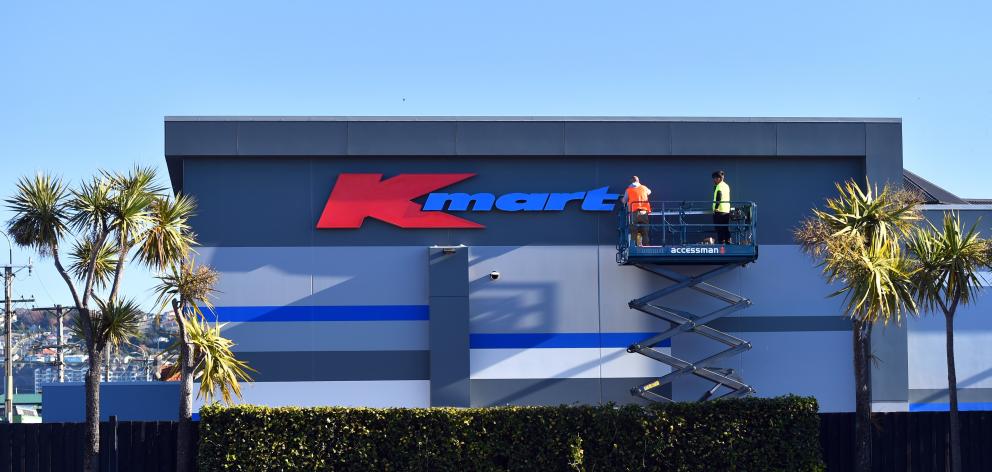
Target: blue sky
{"type": "Point", "coordinates": [85, 85]}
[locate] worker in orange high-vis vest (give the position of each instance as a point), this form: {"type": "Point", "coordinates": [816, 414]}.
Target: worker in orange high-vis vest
{"type": "Point", "coordinates": [635, 199]}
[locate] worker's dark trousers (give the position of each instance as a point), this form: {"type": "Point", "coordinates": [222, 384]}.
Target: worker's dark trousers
{"type": "Point", "coordinates": [641, 221]}
{"type": "Point", "coordinates": [722, 220]}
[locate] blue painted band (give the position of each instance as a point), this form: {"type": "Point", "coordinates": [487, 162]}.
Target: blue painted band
{"type": "Point", "coordinates": [321, 313]}
{"type": "Point", "coordinates": [557, 340]}
{"type": "Point", "coordinates": [962, 406]}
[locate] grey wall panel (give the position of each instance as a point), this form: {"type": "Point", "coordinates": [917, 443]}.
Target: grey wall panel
{"type": "Point", "coordinates": [260, 276]}
{"type": "Point", "coordinates": [981, 219]}
{"type": "Point", "coordinates": [318, 276]}
{"type": "Point", "coordinates": [258, 202]}
{"type": "Point", "coordinates": [723, 139]}
{"type": "Point", "coordinates": [972, 350]}
{"type": "Point", "coordinates": [786, 282]}
{"type": "Point", "coordinates": [540, 289]}
{"type": "Point", "coordinates": [292, 138]}
{"type": "Point", "coordinates": [786, 189]}
{"type": "Point", "coordinates": [810, 363]}
{"type": "Point", "coordinates": [293, 366]}
{"type": "Point", "coordinates": [510, 138]}
{"type": "Point", "coordinates": [926, 335]}
{"type": "Point", "coordinates": [379, 275]}
{"type": "Point", "coordinates": [618, 139]}
{"type": "Point", "coordinates": [408, 139]}
{"type": "Point", "coordinates": [802, 363]}
{"type": "Point", "coordinates": [550, 392]}
{"type": "Point", "coordinates": [890, 373]}
{"type": "Point", "coordinates": [201, 138]}
{"type": "Point", "coordinates": [821, 139]}
{"type": "Point", "coordinates": [329, 336]}
{"type": "Point", "coordinates": [619, 285]}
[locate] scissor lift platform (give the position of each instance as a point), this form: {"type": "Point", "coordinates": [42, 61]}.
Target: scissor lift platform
{"type": "Point", "coordinates": [679, 231]}
{"type": "Point", "coordinates": [690, 254]}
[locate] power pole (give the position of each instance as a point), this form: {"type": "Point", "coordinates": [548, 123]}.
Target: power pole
{"type": "Point", "coordinates": [60, 344]}
{"type": "Point", "coordinates": [60, 350]}
{"type": "Point", "coordinates": [8, 339]}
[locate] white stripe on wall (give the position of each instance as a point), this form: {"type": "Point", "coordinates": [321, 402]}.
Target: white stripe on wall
{"type": "Point", "coordinates": [377, 394]}
{"type": "Point", "coordinates": [563, 363]}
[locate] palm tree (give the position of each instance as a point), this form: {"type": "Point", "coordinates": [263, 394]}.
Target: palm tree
{"type": "Point", "coordinates": [203, 352]}
{"type": "Point", "coordinates": [107, 216]}
{"type": "Point", "coordinates": [949, 261]}
{"type": "Point", "coordinates": [857, 240]}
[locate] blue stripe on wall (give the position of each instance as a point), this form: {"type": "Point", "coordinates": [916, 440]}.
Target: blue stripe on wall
{"type": "Point", "coordinates": [962, 406]}
{"type": "Point", "coordinates": [321, 313]}
{"type": "Point", "coordinates": [559, 340]}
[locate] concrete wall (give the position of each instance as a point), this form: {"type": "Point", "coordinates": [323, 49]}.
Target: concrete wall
{"type": "Point", "coordinates": [348, 317]}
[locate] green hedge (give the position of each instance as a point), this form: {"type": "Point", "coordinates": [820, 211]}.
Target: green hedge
{"type": "Point", "coordinates": [748, 434]}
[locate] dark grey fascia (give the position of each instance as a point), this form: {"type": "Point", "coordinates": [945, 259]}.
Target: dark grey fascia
{"type": "Point", "coordinates": [877, 140]}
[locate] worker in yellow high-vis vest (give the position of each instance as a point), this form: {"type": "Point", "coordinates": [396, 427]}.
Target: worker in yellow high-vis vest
{"type": "Point", "coordinates": [721, 207]}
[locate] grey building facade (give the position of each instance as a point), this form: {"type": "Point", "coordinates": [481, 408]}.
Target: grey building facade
{"type": "Point", "coordinates": [385, 315]}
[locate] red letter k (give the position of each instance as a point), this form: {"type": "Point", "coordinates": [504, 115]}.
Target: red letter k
{"type": "Point", "coordinates": [357, 196]}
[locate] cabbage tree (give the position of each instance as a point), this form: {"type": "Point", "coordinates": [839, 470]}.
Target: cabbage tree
{"type": "Point", "coordinates": [106, 222]}
{"type": "Point", "coordinates": [203, 353]}
{"type": "Point", "coordinates": [949, 261]}
{"type": "Point", "coordinates": [857, 240]}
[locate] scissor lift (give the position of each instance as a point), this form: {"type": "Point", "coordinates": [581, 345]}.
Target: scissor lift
{"type": "Point", "coordinates": [677, 233]}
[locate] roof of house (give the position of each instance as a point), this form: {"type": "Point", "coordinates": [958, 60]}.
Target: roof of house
{"type": "Point", "coordinates": [932, 193]}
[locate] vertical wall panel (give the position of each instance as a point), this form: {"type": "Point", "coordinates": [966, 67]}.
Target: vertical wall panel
{"type": "Point", "coordinates": [449, 327]}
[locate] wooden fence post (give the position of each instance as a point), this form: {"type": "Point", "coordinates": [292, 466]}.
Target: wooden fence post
{"type": "Point", "coordinates": [112, 460]}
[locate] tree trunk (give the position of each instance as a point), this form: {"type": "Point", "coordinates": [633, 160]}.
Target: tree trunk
{"type": "Point", "coordinates": [184, 442]}
{"type": "Point", "coordinates": [952, 392]}
{"type": "Point", "coordinates": [862, 396]}
{"type": "Point", "coordinates": [91, 451]}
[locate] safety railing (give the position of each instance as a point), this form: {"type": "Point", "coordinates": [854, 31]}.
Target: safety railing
{"type": "Point", "coordinates": [687, 230]}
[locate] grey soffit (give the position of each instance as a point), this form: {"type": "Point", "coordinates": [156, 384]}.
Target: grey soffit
{"type": "Point", "coordinates": [337, 365]}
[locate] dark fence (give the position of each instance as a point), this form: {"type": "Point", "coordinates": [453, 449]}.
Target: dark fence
{"type": "Point", "coordinates": [901, 441]}
{"type": "Point", "coordinates": [140, 446]}
{"type": "Point", "coordinates": [908, 441]}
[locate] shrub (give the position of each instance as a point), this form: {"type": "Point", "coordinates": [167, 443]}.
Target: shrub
{"type": "Point", "coordinates": [749, 434]}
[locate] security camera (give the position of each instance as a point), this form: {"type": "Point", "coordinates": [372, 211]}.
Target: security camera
{"type": "Point", "coordinates": [494, 275]}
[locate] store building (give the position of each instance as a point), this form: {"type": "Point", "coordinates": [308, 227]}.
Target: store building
{"type": "Point", "coordinates": [358, 256]}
